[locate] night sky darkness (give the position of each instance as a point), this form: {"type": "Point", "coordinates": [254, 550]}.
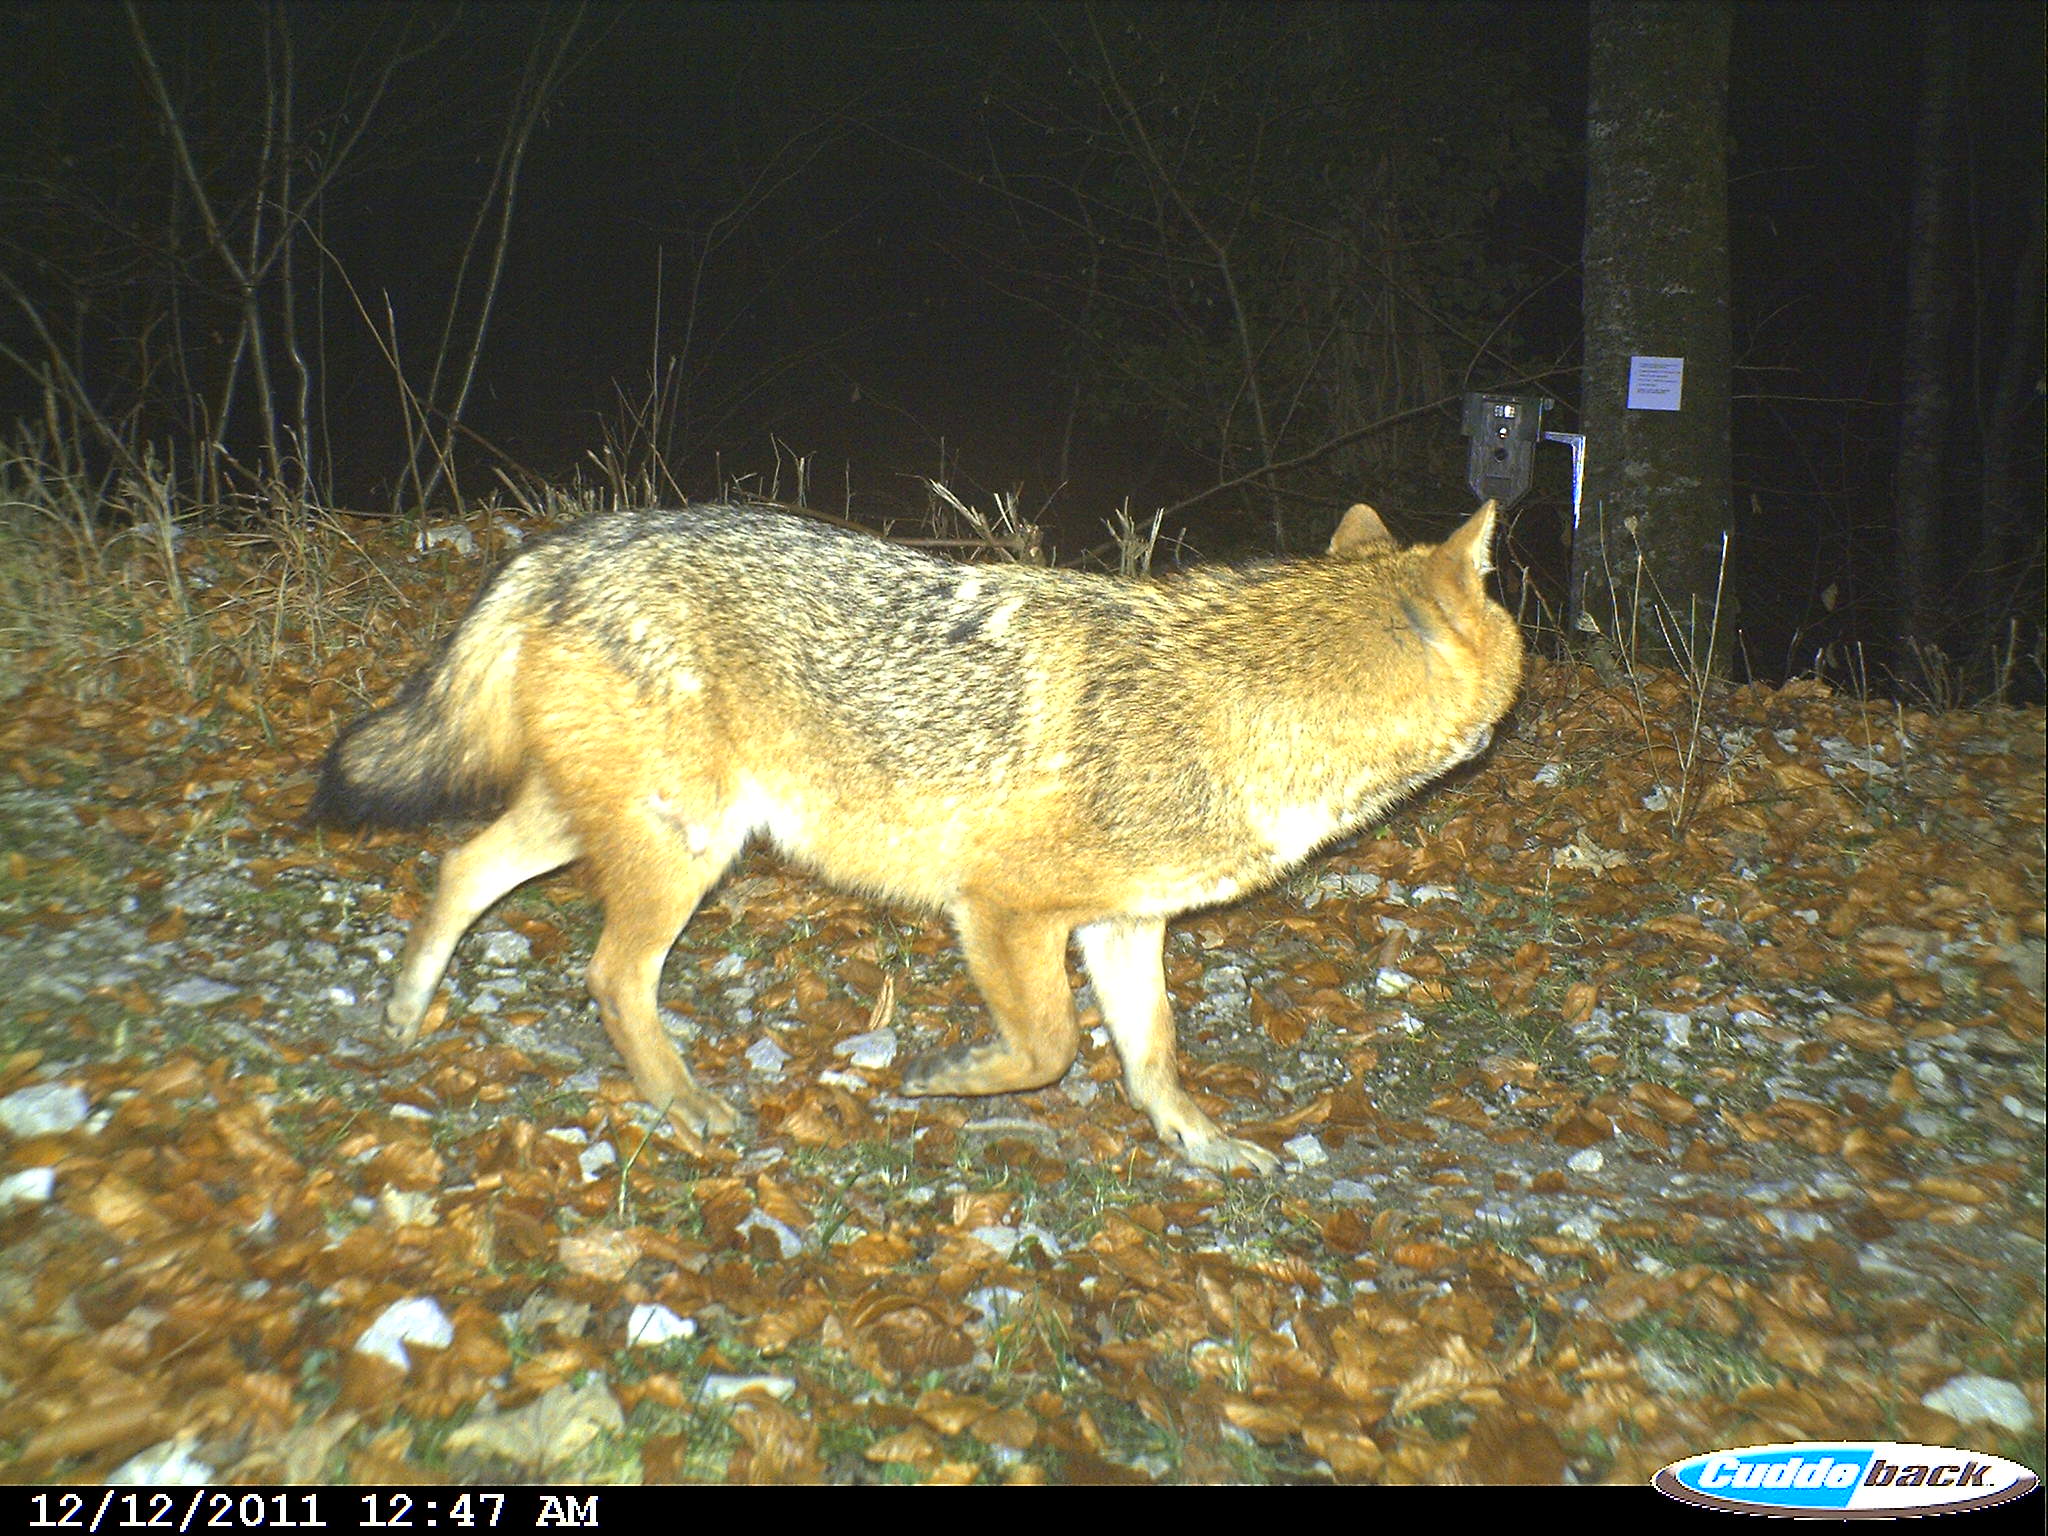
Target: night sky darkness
{"type": "Point", "coordinates": [857, 313]}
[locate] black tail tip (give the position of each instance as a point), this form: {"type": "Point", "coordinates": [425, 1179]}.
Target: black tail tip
{"type": "Point", "coordinates": [344, 800]}
{"type": "Point", "coordinates": [336, 802]}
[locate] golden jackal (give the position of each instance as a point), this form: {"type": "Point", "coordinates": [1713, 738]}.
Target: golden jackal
{"type": "Point", "coordinates": [1038, 753]}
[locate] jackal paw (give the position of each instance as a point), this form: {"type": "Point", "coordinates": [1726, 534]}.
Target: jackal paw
{"type": "Point", "coordinates": [937, 1072]}
{"type": "Point", "coordinates": [976, 1069]}
{"type": "Point", "coordinates": [1183, 1126]}
{"type": "Point", "coordinates": [405, 1019]}
{"type": "Point", "coordinates": [697, 1113]}
{"type": "Point", "coordinates": [1230, 1154]}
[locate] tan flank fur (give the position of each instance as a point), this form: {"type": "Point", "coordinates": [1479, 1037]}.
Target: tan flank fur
{"type": "Point", "coordinates": [1040, 754]}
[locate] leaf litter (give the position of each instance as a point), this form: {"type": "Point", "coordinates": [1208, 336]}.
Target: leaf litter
{"type": "Point", "coordinates": [1651, 1086]}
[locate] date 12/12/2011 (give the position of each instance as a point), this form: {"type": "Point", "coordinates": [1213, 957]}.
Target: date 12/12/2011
{"type": "Point", "coordinates": [193, 1511]}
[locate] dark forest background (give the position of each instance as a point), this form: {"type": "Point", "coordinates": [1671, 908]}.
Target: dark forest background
{"type": "Point", "coordinates": [1240, 262]}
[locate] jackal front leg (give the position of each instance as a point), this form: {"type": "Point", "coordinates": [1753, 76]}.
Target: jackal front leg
{"type": "Point", "coordinates": [1019, 960]}
{"type": "Point", "coordinates": [1126, 961]}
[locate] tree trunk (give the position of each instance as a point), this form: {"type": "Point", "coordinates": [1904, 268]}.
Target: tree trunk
{"type": "Point", "coordinates": [1930, 313]}
{"type": "Point", "coordinates": [2010, 537]}
{"type": "Point", "coordinates": [1648, 558]}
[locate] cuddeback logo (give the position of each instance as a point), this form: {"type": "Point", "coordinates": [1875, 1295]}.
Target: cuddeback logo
{"type": "Point", "coordinates": [1845, 1478]}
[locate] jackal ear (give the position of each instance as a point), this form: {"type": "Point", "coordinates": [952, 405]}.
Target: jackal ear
{"type": "Point", "coordinates": [1360, 531]}
{"type": "Point", "coordinates": [1469, 551]}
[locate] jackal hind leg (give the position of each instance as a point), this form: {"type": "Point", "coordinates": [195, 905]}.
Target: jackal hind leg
{"type": "Point", "coordinates": [653, 863]}
{"type": "Point", "coordinates": [1019, 961]}
{"type": "Point", "coordinates": [529, 839]}
{"type": "Point", "coordinates": [1126, 962]}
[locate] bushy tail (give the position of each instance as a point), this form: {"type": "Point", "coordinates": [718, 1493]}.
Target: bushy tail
{"type": "Point", "coordinates": [448, 745]}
